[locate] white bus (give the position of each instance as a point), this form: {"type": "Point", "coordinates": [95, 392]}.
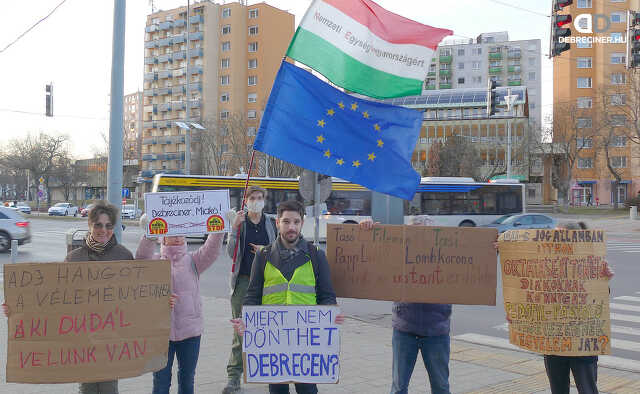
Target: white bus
{"type": "Point", "coordinates": [447, 201]}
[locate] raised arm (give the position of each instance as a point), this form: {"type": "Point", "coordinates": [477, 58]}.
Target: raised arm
{"type": "Point", "coordinates": [208, 253]}
{"type": "Point", "coordinates": [146, 249]}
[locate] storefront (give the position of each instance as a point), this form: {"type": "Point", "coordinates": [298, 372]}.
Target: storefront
{"type": "Point", "coordinates": [583, 192]}
{"type": "Point", "coordinates": [620, 193]}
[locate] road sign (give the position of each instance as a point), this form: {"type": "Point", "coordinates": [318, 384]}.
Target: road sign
{"type": "Point", "coordinates": [41, 179]}
{"type": "Point", "coordinates": [41, 187]}
{"type": "Point", "coordinates": [125, 192]}
{"type": "Point", "coordinates": [307, 180]}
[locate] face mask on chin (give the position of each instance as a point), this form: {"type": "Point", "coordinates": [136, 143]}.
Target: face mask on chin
{"type": "Point", "coordinates": [255, 206]}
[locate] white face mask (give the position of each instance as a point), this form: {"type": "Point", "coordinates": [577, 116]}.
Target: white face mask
{"type": "Point", "coordinates": [255, 206]}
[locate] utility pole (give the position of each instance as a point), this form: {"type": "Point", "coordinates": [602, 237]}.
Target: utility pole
{"type": "Point", "coordinates": [114, 171]}
{"type": "Point", "coordinates": [509, 100]}
{"type": "Point", "coordinates": [187, 111]}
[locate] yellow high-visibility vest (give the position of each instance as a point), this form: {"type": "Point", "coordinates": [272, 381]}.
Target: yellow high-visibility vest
{"type": "Point", "coordinates": [300, 290]}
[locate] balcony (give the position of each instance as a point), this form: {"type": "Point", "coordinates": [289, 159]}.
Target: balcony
{"type": "Point", "coordinates": [195, 70]}
{"type": "Point", "coordinates": [445, 73]}
{"type": "Point", "coordinates": [151, 60]}
{"type": "Point", "coordinates": [431, 74]}
{"type": "Point", "coordinates": [165, 58]}
{"type": "Point", "coordinates": [178, 39]}
{"type": "Point", "coordinates": [194, 104]}
{"type": "Point", "coordinates": [514, 55]}
{"type": "Point", "coordinates": [149, 93]}
{"type": "Point", "coordinates": [147, 141]}
{"type": "Point", "coordinates": [172, 156]}
{"type": "Point", "coordinates": [196, 19]}
{"type": "Point", "coordinates": [151, 44]}
{"type": "Point", "coordinates": [514, 69]}
{"type": "Point", "coordinates": [164, 42]}
{"type": "Point", "coordinates": [196, 52]}
{"type": "Point", "coordinates": [148, 157]}
{"type": "Point", "coordinates": [195, 86]}
{"type": "Point", "coordinates": [151, 28]}
{"type": "Point", "coordinates": [446, 59]}
{"type": "Point", "coordinates": [149, 124]}
{"type": "Point", "coordinates": [164, 107]}
{"type": "Point", "coordinates": [196, 36]}
{"type": "Point", "coordinates": [165, 25]}
{"type": "Point", "coordinates": [146, 174]}
{"type": "Point", "coordinates": [178, 23]}
{"type": "Point", "coordinates": [515, 82]}
{"type": "Point", "coordinates": [445, 85]}
{"type": "Point", "coordinates": [495, 70]}
{"type": "Point", "coordinates": [495, 55]}
{"type": "Point", "coordinates": [177, 105]}
{"type": "Point", "coordinates": [151, 76]}
{"type": "Point", "coordinates": [163, 91]}
{"type": "Point", "coordinates": [430, 87]}
{"type": "Point", "coordinates": [164, 74]}
{"type": "Point", "coordinates": [179, 55]}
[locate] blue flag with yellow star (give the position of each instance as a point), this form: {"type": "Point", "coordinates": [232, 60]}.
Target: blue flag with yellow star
{"type": "Point", "coordinates": [315, 126]}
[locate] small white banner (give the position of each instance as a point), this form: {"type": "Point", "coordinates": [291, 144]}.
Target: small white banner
{"type": "Point", "coordinates": [291, 343]}
{"type": "Point", "coordinates": [185, 213]}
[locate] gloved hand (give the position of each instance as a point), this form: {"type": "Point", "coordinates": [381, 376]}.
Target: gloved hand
{"type": "Point", "coordinates": [231, 216]}
{"type": "Point", "coordinates": [144, 226]}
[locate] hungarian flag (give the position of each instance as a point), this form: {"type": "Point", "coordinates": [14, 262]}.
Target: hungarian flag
{"type": "Point", "coordinates": [362, 47]}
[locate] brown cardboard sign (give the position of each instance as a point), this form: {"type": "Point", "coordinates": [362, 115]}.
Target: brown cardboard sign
{"type": "Point", "coordinates": [447, 265]}
{"type": "Point", "coordinates": [556, 292]}
{"type": "Point", "coordinates": [87, 321]}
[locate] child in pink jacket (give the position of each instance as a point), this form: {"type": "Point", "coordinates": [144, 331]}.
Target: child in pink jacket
{"type": "Point", "coordinates": [186, 316]}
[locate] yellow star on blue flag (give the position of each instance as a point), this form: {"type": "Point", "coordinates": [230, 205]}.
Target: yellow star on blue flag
{"type": "Point", "coordinates": [365, 142]}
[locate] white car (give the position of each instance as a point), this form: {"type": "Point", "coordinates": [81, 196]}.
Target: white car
{"type": "Point", "coordinates": [63, 209]}
{"type": "Point", "coordinates": [129, 211]}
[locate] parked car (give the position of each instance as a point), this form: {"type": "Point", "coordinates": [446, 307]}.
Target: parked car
{"type": "Point", "coordinates": [129, 211]}
{"type": "Point", "coordinates": [522, 221]}
{"type": "Point", "coordinates": [13, 225]}
{"type": "Point", "coordinates": [84, 212]}
{"type": "Point", "coordinates": [63, 209]}
{"type": "Point", "coordinates": [24, 208]}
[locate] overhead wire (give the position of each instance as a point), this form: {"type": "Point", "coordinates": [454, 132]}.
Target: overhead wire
{"type": "Point", "coordinates": [32, 27]}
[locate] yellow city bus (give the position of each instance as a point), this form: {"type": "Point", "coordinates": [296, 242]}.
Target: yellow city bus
{"type": "Point", "coordinates": [448, 201]}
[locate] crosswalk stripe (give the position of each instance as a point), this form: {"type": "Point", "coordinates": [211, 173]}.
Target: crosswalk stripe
{"type": "Point", "coordinates": [623, 317]}
{"type": "Point", "coordinates": [625, 345]}
{"type": "Point", "coordinates": [628, 298]}
{"type": "Point", "coordinates": [624, 307]}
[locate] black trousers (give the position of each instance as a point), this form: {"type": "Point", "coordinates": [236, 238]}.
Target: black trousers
{"type": "Point", "coordinates": [301, 388]}
{"type": "Point", "coordinates": [584, 369]}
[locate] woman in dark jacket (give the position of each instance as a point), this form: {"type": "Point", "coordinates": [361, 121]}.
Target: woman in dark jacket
{"type": "Point", "coordinates": [100, 245]}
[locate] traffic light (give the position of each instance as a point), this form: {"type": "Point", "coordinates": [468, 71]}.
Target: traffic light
{"type": "Point", "coordinates": [634, 47]}
{"type": "Point", "coordinates": [49, 99]}
{"type": "Point", "coordinates": [557, 31]}
{"type": "Point", "coordinates": [558, 5]}
{"type": "Point", "coordinates": [491, 98]}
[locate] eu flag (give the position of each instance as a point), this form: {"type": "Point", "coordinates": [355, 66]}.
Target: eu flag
{"type": "Point", "coordinates": [315, 126]}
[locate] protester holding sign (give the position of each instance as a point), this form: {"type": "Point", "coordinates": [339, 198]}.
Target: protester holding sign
{"type": "Point", "coordinates": [100, 245]}
{"type": "Point", "coordinates": [186, 316]}
{"type": "Point", "coordinates": [255, 233]}
{"type": "Point", "coordinates": [290, 271]}
{"type": "Point", "coordinates": [419, 327]}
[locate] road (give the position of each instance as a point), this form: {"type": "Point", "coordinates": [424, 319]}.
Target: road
{"type": "Point", "coordinates": [48, 245]}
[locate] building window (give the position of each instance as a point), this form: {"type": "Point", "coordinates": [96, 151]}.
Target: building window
{"type": "Point", "coordinates": [253, 30]}
{"type": "Point", "coordinates": [445, 51]}
{"type": "Point", "coordinates": [584, 4]}
{"type": "Point", "coordinates": [224, 80]}
{"type": "Point", "coordinates": [460, 81]}
{"type": "Point", "coordinates": [618, 79]}
{"type": "Point", "coordinates": [618, 120]}
{"type": "Point", "coordinates": [460, 66]}
{"type": "Point", "coordinates": [251, 114]}
{"type": "Point", "coordinates": [253, 47]}
{"type": "Point", "coordinates": [584, 62]}
{"type": "Point", "coordinates": [475, 65]}
{"type": "Point", "coordinates": [461, 52]}
{"type": "Point", "coordinates": [251, 131]}
{"type": "Point", "coordinates": [252, 80]}
{"type": "Point", "coordinates": [225, 63]}
{"type": "Point", "coordinates": [583, 143]}
{"type": "Point", "coordinates": [224, 148]}
{"type": "Point", "coordinates": [532, 61]}
{"type": "Point", "coordinates": [618, 17]}
{"type": "Point", "coordinates": [618, 58]}
{"type": "Point", "coordinates": [584, 123]}
{"type": "Point", "coordinates": [585, 102]}
{"type": "Point", "coordinates": [584, 82]}
{"type": "Point", "coordinates": [532, 76]}
{"type": "Point", "coordinates": [252, 97]}
{"type": "Point", "coordinates": [619, 161]}
{"type": "Point", "coordinates": [225, 97]}
{"type": "Point", "coordinates": [618, 99]}
{"type": "Point", "coordinates": [585, 162]}
{"type": "Point", "coordinates": [226, 29]}
{"type": "Point", "coordinates": [224, 115]}
{"type": "Point", "coordinates": [619, 141]}
{"type": "Point", "coordinates": [226, 46]}
{"type": "Point", "coordinates": [253, 63]}
{"type": "Point", "coordinates": [253, 14]}
{"type": "Point", "coordinates": [583, 44]}
{"type": "Point", "coordinates": [477, 79]}
{"type": "Point", "coordinates": [477, 51]}
{"type": "Point", "coordinates": [226, 12]}
{"type": "Point", "coordinates": [616, 38]}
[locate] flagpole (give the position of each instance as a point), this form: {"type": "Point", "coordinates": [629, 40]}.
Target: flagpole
{"type": "Point", "coordinates": [244, 198]}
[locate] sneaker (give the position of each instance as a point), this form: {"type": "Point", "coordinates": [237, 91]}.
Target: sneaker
{"type": "Point", "coordinates": [233, 386]}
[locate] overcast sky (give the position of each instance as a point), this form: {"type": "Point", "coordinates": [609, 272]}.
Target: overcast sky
{"type": "Point", "coordinates": [72, 49]}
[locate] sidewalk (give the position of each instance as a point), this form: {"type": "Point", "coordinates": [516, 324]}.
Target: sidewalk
{"type": "Point", "coordinates": [365, 365]}
{"type": "Point", "coordinates": [617, 226]}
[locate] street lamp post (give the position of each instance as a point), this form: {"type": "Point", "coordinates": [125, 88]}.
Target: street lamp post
{"type": "Point", "coordinates": [509, 100]}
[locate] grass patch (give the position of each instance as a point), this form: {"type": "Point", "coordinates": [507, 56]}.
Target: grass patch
{"type": "Point", "coordinates": [598, 211]}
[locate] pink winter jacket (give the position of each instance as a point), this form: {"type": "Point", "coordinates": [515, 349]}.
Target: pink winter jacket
{"type": "Point", "coordinates": [186, 317]}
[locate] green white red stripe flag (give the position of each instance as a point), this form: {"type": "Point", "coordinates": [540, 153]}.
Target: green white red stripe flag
{"type": "Point", "coordinates": [362, 47]}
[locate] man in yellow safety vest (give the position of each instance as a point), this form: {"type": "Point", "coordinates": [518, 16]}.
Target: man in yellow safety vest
{"type": "Point", "coordinates": [289, 271]}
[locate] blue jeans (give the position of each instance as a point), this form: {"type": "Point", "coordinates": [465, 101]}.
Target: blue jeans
{"type": "Point", "coordinates": [301, 388]}
{"type": "Point", "coordinates": [186, 351]}
{"type": "Point", "coordinates": [435, 355]}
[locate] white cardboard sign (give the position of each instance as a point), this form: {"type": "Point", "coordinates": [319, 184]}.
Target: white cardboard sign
{"type": "Point", "coordinates": [291, 343]}
{"type": "Point", "coordinates": [188, 212]}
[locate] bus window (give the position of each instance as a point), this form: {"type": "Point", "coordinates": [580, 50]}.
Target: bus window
{"type": "Point", "coordinates": [356, 203]}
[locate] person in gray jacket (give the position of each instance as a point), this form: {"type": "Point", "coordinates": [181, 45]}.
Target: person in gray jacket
{"type": "Point", "coordinates": [255, 233]}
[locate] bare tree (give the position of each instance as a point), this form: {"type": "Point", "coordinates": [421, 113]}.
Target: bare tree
{"type": "Point", "coordinates": [629, 89]}
{"type": "Point", "coordinates": [278, 168]}
{"type": "Point", "coordinates": [433, 161]}
{"type": "Point", "coordinates": [211, 147]}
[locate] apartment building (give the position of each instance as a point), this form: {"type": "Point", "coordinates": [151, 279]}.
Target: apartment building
{"type": "Point", "coordinates": [132, 126]}
{"type": "Point", "coordinates": [233, 52]}
{"type": "Point", "coordinates": [461, 64]}
{"type": "Point", "coordinates": [580, 76]}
